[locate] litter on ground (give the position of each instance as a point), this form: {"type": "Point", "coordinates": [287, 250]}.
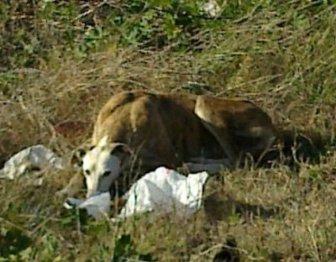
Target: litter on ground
{"type": "Point", "coordinates": [35, 157]}
{"type": "Point", "coordinates": [161, 191]}
{"type": "Point", "coordinates": [97, 206]}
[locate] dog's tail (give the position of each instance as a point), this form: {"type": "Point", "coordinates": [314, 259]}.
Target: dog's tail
{"type": "Point", "coordinates": [300, 145]}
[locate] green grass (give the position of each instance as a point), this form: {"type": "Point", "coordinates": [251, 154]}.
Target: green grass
{"type": "Point", "coordinates": [59, 67]}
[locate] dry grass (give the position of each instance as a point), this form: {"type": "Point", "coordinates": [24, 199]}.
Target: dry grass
{"type": "Point", "coordinates": [283, 63]}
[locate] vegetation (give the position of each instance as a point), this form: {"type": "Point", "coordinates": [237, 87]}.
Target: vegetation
{"type": "Point", "coordinates": [61, 60]}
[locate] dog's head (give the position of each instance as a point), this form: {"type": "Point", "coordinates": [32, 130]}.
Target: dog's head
{"type": "Point", "coordinates": [102, 165]}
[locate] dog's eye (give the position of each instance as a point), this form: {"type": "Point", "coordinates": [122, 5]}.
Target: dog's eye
{"type": "Point", "coordinates": [106, 173]}
{"type": "Point", "coordinates": [87, 172]}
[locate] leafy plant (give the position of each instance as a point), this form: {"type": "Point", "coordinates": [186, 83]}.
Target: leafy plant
{"type": "Point", "coordinates": [124, 249]}
{"type": "Point", "coordinates": [13, 241]}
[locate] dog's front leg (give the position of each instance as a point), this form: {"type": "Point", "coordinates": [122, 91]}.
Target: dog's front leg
{"type": "Point", "coordinates": [73, 187]}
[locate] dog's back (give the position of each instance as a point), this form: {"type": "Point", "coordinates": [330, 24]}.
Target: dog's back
{"type": "Point", "coordinates": [162, 128]}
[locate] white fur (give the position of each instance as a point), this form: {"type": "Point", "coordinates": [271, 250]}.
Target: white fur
{"type": "Point", "coordinates": [96, 163]}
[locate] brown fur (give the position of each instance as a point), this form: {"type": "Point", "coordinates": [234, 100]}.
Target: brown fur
{"type": "Point", "coordinates": [173, 129]}
{"type": "Point", "coordinates": [169, 129]}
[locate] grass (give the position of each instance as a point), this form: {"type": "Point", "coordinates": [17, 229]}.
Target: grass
{"type": "Point", "coordinates": [279, 55]}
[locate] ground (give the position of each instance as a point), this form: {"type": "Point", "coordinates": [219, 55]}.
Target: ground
{"type": "Point", "coordinates": [61, 62]}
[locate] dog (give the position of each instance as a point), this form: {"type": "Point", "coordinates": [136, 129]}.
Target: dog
{"type": "Point", "coordinates": [200, 133]}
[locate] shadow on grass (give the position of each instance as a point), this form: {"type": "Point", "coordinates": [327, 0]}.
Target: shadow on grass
{"type": "Point", "coordinates": [228, 252]}
{"type": "Point", "coordinates": [13, 242]}
{"type": "Point", "coordinates": [218, 207]}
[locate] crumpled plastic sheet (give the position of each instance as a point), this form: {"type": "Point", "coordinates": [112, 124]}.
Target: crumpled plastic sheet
{"type": "Point", "coordinates": [37, 156]}
{"type": "Point", "coordinates": [164, 191]}
{"type": "Point", "coordinates": [97, 206]}
{"type": "Point", "coordinates": [161, 191]}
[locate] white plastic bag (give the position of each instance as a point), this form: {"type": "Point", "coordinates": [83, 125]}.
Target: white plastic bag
{"type": "Point", "coordinates": [96, 206]}
{"type": "Point", "coordinates": [163, 191]}
{"type": "Point", "coordinates": [37, 156]}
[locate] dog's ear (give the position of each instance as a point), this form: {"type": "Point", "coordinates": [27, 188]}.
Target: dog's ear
{"type": "Point", "coordinates": [77, 158]}
{"type": "Point", "coordinates": [104, 141]}
{"type": "Point", "coordinates": [121, 150]}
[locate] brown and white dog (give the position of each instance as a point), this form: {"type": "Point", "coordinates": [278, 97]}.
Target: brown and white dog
{"type": "Point", "coordinates": [172, 130]}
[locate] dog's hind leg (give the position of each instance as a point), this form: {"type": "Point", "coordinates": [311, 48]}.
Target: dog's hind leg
{"type": "Point", "coordinates": [217, 126]}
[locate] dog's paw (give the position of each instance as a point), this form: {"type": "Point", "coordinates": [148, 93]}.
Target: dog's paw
{"type": "Point", "coordinates": [184, 169]}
